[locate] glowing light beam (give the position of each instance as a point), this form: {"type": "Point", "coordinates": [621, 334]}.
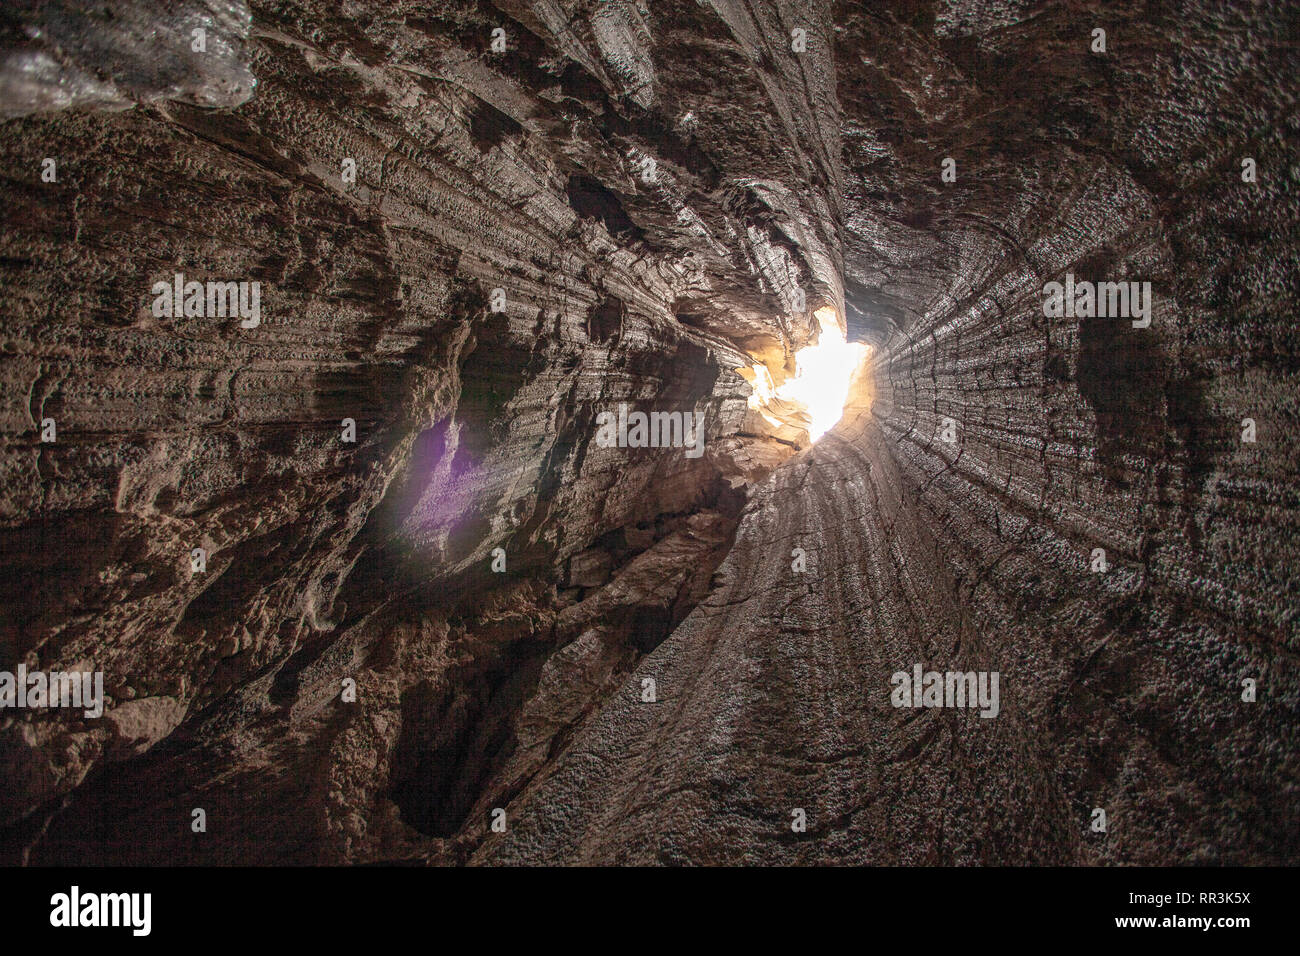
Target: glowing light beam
{"type": "Point", "coordinates": [821, 380]}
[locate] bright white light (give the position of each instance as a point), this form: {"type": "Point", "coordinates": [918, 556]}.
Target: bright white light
{"type": "Point", "coordinates": [821, 379]}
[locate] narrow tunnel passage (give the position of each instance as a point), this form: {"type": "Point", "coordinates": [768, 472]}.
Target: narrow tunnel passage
{"type": "Point", "coordinates": [421, 419]}
{"type": "Point", "coordinates": [864, 557]}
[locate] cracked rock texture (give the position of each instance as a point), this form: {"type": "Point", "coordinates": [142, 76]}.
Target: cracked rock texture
{"type": "Point", "coordinates": [663, 191]}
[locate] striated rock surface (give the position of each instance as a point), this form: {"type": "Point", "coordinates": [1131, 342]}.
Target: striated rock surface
{"type": "Point", "coordinates": [622, 249]}
{"type": "Point", "coordinates": [1120, 690]}
{"type": "Point", "coordinates": [56, 54]}
{"type": "Point", "coordinates": [466, 253]}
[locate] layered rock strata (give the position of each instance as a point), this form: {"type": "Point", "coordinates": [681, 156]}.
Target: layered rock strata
{"type": "Point", "coordinates": [477, 226]}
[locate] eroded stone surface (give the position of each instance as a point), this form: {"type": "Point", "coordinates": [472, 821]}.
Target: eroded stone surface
{"type": "Point", "coordinates": [60, 54]}
{"type": "Point", "coordinates": [653, 185]}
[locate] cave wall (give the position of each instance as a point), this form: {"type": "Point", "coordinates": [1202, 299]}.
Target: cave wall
{"type": "Point", "coordinates": [1121, 690]}
{"type": "Point", "coordinates": [655, 185]}
{"type": "Point", "coordinates": [524, 170]}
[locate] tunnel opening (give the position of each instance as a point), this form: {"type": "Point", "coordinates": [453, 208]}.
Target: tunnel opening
{"type": "Point", "coordinates": [815, 396]}
{"type": "Point", "coordinates": [454, 602]}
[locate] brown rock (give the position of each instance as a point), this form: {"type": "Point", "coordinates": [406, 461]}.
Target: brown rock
{"type": "Point", "coordinates": [654, 187]}
{"type": "Point", "coordinates": [590, 569]}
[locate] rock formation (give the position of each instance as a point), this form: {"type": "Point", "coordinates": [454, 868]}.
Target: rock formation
{"type": "Point", "coordinates": [365, 586]}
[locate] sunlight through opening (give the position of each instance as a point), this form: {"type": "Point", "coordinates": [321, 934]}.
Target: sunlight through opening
{"type": "Point", "coordinates": [821, 380]}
